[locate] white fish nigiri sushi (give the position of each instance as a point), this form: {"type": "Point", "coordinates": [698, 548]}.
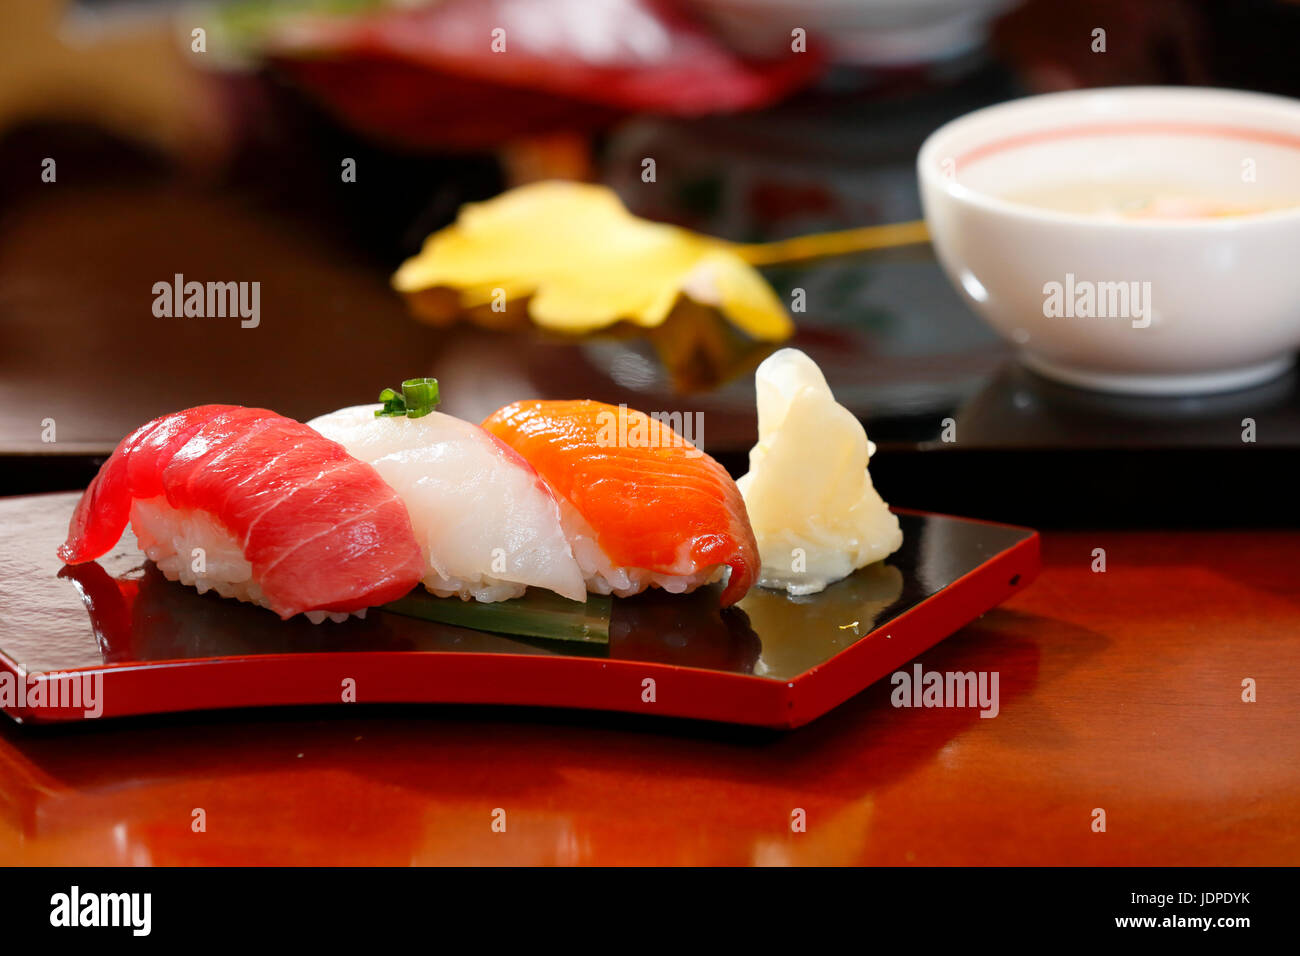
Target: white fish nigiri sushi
{"type": "Point", "coordinates": [815, 512]}
{"type": "Point", "coordinates": [488, 526]}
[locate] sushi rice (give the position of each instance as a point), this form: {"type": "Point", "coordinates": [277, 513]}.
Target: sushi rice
{"type": "Point", "coordinates": [604, 577]}
{"type": "Point", "coordinates": [170, 537]}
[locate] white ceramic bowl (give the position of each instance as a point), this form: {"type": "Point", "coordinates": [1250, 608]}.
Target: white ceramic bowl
{"type": "Point", "coordinates": [877, 33]}
{"type": "Point", "coordinates": [1214, 303]}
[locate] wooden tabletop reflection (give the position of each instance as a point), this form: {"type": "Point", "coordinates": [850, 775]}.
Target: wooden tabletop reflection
{"type": "Point", "coordinates": [1120, 690]}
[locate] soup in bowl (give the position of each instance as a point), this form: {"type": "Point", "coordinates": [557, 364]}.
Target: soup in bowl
{"type": "Point", "coordinates": [1138, 239]}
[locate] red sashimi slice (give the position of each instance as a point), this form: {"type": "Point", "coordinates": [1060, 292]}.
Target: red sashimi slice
{"type": "Point", "coordinates": [656, 503]}
{"type": "Point", "coordinates": [321, 529]}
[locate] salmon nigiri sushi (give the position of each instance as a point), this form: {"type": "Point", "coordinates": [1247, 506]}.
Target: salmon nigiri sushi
{"type": "Point", "coordinates": [641, 505]}
{"type": "Point", "coordinates": [255, 506]}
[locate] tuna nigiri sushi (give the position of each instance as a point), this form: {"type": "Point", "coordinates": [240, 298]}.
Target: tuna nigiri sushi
{"type": "Point", "coordinates": [487, 525]}
{"type": "Point", "coordinates": [641, 505]}
{"type": "Point", "coordinates": [256, 506]}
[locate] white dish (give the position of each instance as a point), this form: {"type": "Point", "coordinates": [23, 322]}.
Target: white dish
{"type": "Point", "coordinates": [1212, 303]}
{"type": "Point", "coordinates": [878, 33]}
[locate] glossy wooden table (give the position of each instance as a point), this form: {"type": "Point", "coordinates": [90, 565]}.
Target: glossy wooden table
{"type": "Point", "coordinates": [1120, 690]}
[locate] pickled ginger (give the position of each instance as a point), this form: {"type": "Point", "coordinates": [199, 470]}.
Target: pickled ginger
{"type": "Point", "coordinates": [815, 513]}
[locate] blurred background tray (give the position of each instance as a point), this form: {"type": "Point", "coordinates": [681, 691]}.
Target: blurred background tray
{"type": "Point", "coordinates": [257, 196]}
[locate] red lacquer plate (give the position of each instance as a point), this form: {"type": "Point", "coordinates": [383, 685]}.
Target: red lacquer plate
{"type": "Point", "coordinates": [118, 632]}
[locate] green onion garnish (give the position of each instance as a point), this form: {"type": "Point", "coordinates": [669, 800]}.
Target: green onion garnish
{"type": "Point", "coordinates": [393, 403]}
{"type": "Point", "coordinates": [536, 614]}
{"type": "Point", "coordinates": [418, 398]}
{"type": "Point", "coordinates": [421, 395]}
